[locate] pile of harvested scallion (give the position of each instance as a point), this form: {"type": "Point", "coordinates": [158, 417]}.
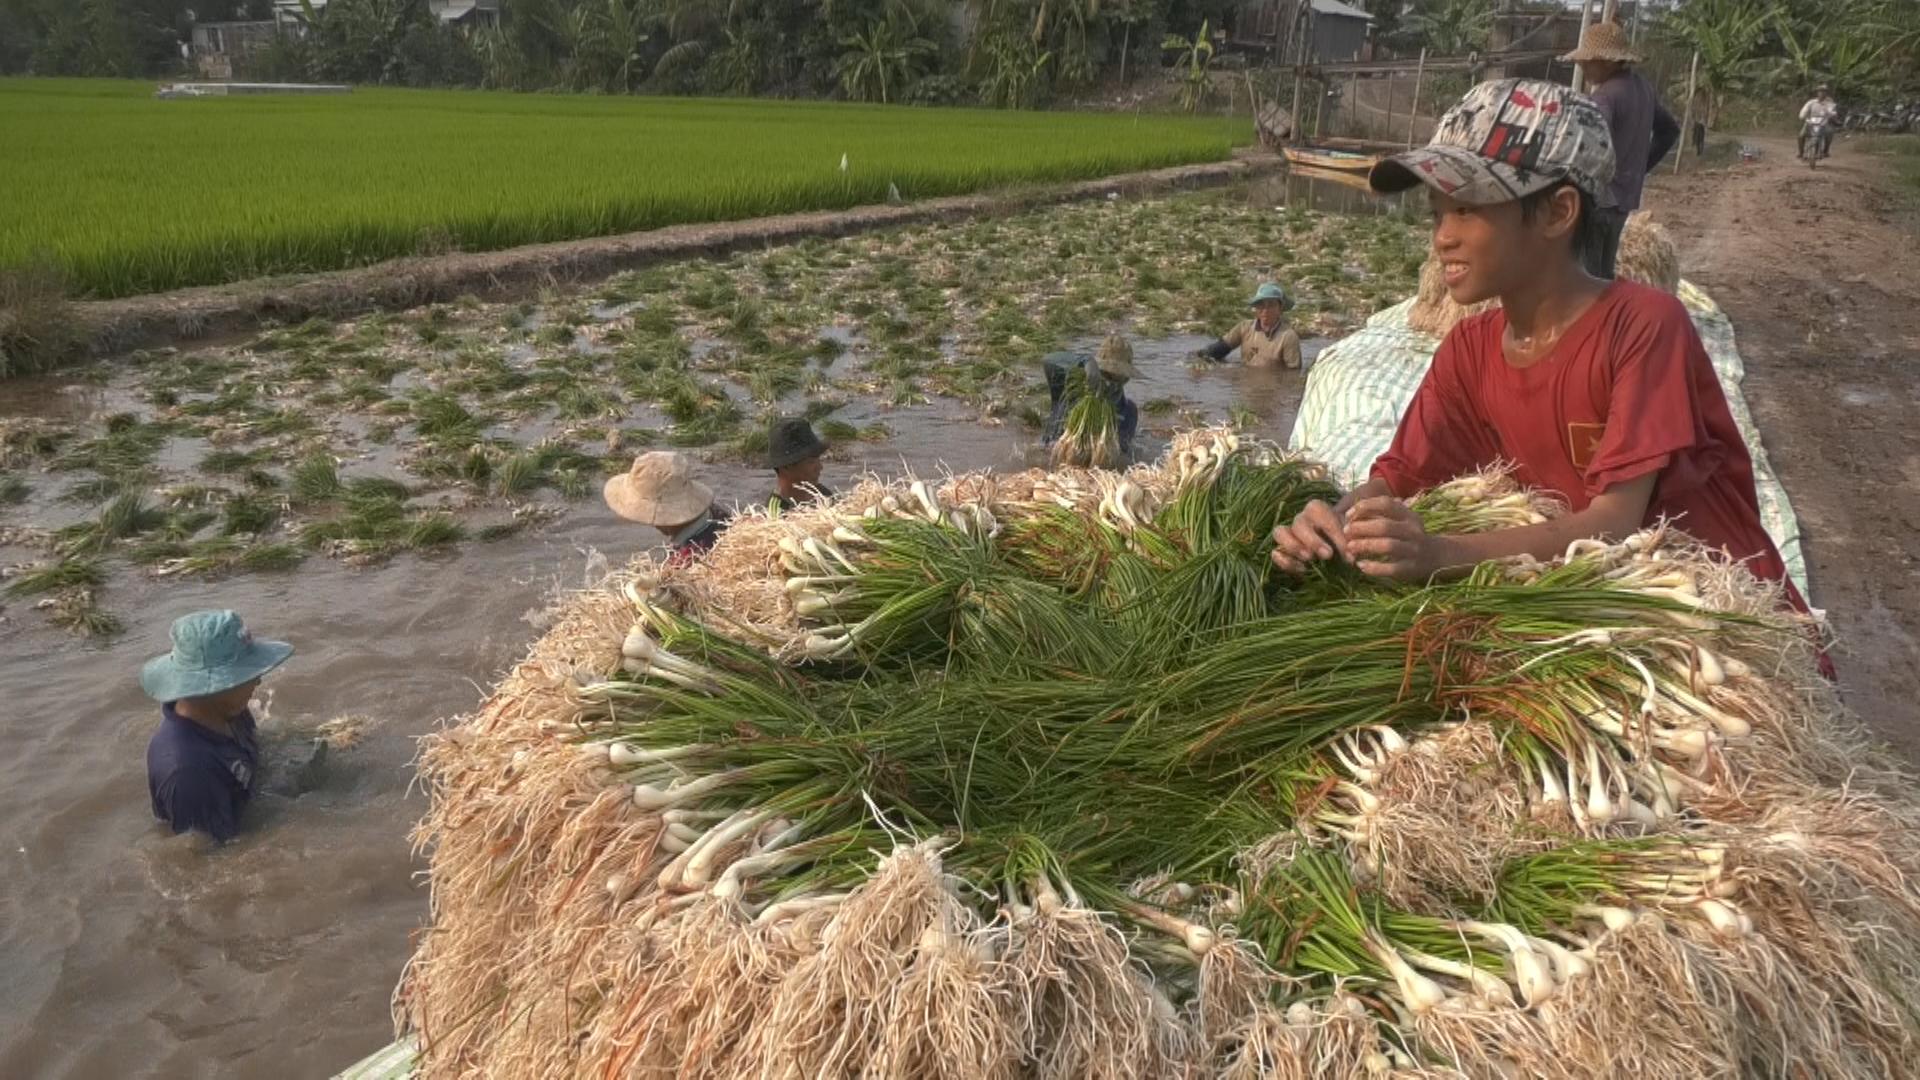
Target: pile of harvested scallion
{"type": "Point", "coordinates": [1051, 775]}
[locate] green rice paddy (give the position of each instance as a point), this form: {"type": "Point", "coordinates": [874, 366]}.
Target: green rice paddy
{"type": "Point", "coordinates": [126, 194]}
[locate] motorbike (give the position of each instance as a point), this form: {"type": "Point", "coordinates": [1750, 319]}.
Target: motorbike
{"type": "Point", "coordinates": [1817, 142]}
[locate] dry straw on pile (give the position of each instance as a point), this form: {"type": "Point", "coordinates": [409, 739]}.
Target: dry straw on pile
{"type": "Point", "coordinates": [1608, 822]}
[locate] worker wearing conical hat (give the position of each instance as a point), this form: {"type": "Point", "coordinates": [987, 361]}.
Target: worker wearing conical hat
{"type": "Point", "coordinates": [1642, 130]}
{"type": "Point", "coordinates": [660, 490]}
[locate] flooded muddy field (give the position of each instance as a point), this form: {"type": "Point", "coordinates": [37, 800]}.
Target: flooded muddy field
{"type": "Point", "coordinates": [403, 496]}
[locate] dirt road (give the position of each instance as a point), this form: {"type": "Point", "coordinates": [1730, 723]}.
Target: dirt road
{"type": "Point", "coordinates": [1820, 271]}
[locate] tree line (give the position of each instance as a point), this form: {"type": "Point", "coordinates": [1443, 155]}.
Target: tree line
{"type": "Point", "coordinates": [1014, 53]}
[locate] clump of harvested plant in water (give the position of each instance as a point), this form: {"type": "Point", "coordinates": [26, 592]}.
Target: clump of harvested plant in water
{"type": "Point", "coordinates": [1052, 774]}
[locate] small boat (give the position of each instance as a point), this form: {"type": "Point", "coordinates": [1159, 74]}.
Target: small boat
{"type": "Point", "coordinates": [1320, 157]}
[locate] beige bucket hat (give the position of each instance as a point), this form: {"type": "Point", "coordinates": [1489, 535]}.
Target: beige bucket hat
{"type": "Point", "coordinates": [1604, 41]}
{"type": "Point", "coordinates": [659, 490]}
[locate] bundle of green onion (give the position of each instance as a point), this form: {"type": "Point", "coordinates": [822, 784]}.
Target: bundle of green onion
{"type": "Point", "coordinates": [1058, 777]}
{"type": "Point", "coordinates": [1090, 436]}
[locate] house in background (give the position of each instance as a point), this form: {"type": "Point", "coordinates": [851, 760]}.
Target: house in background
{"type": "Point", "coordinates": [466, 12]}
{"type": "Point", "coordinates": [1337, 31]}
{"type": "Point", "coordinates": [461, 12]}
{"type": "Point", "coordinates": [215, 46]}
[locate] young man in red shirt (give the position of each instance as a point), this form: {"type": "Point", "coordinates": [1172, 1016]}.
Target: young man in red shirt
{"type": "Point", "coordinates": [1598, 390]}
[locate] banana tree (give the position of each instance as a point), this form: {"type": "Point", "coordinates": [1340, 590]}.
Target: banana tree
{"type": "Point", "coordinates": [1727, 34]}
{"type": "Point", "coordinates": [1192, 64]}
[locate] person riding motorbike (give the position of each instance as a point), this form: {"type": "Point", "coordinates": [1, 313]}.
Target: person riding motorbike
{"type": "Point", "coordinates": [1816, 123]}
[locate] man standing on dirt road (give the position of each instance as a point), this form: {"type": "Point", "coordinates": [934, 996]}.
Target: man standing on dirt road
{"type": "Point", "coordinates": [1643, 132]}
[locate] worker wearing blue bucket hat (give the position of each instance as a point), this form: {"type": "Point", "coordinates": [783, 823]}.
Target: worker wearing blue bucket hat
{"type": "Point", "coordinates": [1264, 340]}
{"type": "Point", "coordinates": [204, 762]}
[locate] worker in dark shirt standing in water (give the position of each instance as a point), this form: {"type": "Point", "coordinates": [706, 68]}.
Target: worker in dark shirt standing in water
{"type": "Point", "coordinates": [203, 765]}
{"type": "Point", "coordinates": [793, 453]}
{"type": "Point", "coordinates": [1641, 128]}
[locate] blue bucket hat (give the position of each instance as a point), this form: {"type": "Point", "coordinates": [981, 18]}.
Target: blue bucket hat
{"type": "Point", "coordinates": [1270, 291]}
{"type": "Point", "coordinates": [212, 652]}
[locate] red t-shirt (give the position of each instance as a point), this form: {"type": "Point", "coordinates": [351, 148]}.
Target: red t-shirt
{"type": "Point", "coordinates": [1628, 391]}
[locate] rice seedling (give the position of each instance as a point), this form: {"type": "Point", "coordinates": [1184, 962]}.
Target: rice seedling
{"type": "Point", "coordinates": [499, 530]}
{"type": "Point", "coordinates": [838, 431]}
{"type": "Point", "coordinates": [519, 473]}
{"type": "Point", "coordinates": [248, 515]}
{"type": "Point", "coordinates": [571, 483]}
{"type": "Point", "coordinates": [229, 461]}
{"type": "Point", "coordinates": [71, 572]}
{"type": "Point", "coordinates": [432, 531]}
{"type": "Point", "coordinates": [314, 479]}
{"type": "Point", "coordinates": [13, 489]}
{"type": "Point", "coordinates": [127, 515]}
{"type": "Point", "coordinates": [441, 419]}
{"type": "Point", "coordinates": [81, 614]}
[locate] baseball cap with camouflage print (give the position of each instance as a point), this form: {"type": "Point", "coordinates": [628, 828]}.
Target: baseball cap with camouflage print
{"type": "Point", "coordinates": [1506, 139]}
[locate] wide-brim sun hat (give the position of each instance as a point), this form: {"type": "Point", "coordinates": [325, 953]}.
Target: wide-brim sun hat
{"type": "Point", "coordinates": [791, 442]}
{"type": "Point", "coordinates": [1115, 359]}
{"type": "Point", "coordinates": [1270, 291]}
{"type": "Point", "coordinates": [658, 490]}
{"type": "Point", "coordinates": [1506, 139]}
{"type": "Point", "coordinates": [212, 652]}
{"type": "Point", "coordinates": [1604, 41]}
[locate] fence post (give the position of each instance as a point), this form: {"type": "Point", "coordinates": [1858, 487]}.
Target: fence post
{"type": "Point", "coordinates": [1393, 84]}
{"type": "Point", "coordinates": [1413, 116]}
{"type": "Point", "coordinates": [1686, 124]}
{"type": "Point", "coordinates": [1353, 105]}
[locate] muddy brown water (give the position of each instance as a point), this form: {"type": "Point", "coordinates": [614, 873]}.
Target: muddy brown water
{"type": "Point", "coordinates": [133, 954]}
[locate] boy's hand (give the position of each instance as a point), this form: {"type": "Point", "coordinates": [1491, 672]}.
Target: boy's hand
{"type": "Point", "coordinates": [1386, 539]}
{"type": "Point", "coordinates": [1315, 535]}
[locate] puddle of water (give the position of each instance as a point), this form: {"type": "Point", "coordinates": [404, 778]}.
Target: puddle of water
{"type": "Point", "coordinates": [50, 397]}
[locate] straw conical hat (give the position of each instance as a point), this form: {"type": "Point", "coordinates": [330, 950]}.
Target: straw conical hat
{"type": "Point", "coordinates": [658, 490]}
{"type": "Point", "coordinates": [1604, 41]}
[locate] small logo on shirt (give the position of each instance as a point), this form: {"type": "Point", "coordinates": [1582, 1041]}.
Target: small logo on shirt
{"type": "Point", "coordinates": [1583, 443]}
{"type": "Point", "coordinates": [240, 772]}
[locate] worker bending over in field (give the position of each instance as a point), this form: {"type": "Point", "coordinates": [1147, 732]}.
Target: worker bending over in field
{"type": "Point", "coordinates": [1107, 372]}
{"type": "Point", "coordinates": [1264, 340]}
{"type": "Point", "coordinates": [659, 490]}
{"type": "Point", "coordinates": [203, 765]}
{"type": "Point", "coordinates": [1599, 391]}
{"type": "Point", "coordinates": [793, 453]}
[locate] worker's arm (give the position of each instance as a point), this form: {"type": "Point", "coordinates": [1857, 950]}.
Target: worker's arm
{"type": "Point", "coordinates": [1290, 350]}
{"type": "Point", "coordinates": [1223, 347]}
{"type": "Point", "coordinates": [1666, 134]}
{"type": "Point", "coordinates": [1385, 538]}
{"type": "Point", "coordinates": [1806, 112]}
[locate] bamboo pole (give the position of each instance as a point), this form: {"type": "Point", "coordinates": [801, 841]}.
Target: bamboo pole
{"type": "Point", "coordinates": [1686, 123]}
{"type": "Point", "coordinates": [1413, 115]}
{"type": "Point", "coordinates": [1586, 20]}
{"type": "Point", "coordinates": [1299, 66]}
{"type": "Point", "coordinates": [1353, 106]}
{"type": "Point", "coordinates": [1393, 84]}
{"type": "Point", "coordinates": [1612, 9]}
